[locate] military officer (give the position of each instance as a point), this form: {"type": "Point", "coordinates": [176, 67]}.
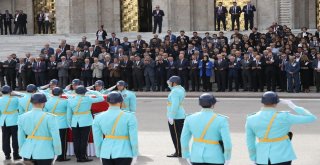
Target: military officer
{"type": "Point", "coordinates": [175, 112]}
{"type": "Point", "coordinates": [211, 136]}
{"type": "Point", "coordinates": [58, 106]}
{"type": "Point", "coordinates": [115, 139]}
{"type": "Point", "coordinates": [25, 102]}
{"type": "Point", "coordinates": [80, 119]}
{"type": "Point", "coordinates": [70, 89]}
{"type": "Point", "coordinates": [8, 121]}
{"type": "Point", "coordinates": [129, 98]}
{"type": "Point", "coordinates": [38, 133]}
{"type": "Point", "coordinates": [271, 128]}
{"type": "Point", "coordinates": [47, 89]}
{"type": "Point", "coordinates": [99, 86]}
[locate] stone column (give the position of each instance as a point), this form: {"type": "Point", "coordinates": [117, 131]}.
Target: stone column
{"type": "Point", "coordinates": [182, 14]}
{"type": "Point", "coordinates": [266, 13]}
{"type": "Point", "coordinates": [312, 9]}
{"type": "Point", "coordinates": [91, 16]}
{"type": "Point", "coordinates": [63, 16]}
{"type": "Point", "coordinates": [210, 17]}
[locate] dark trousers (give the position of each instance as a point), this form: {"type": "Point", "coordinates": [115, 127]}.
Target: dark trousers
{"type": "Point", "coordinates": [39, 161]}
{"type": "Point", "coordinates": [175, 131]}
{"type": "Point", "coordinates": [7, 26]}
{"type": "Point", "coordinates": [221, 80]}
{"type": "Point", "coordinates": [47, 25]}
{"type": "Point", "coordinates": [195, 80]}
{"type": "Point", "coordinates": [149, 79]}
{"type": "Point", "coordinates": [183, 74]}
{"type": "Point", "coordinates": [206, 83]}
{"type": "Point", "coordinates": [284, 163]}
{"type": "Point", "coordinates": [283, 80]}
{"type": "Point", "coordinates": [17, 27]}
{"type": "Point", "coordinates": [235, 19]}
{"type": "Point", "coordinates": [80, 141]}
{"type": "Point", "coordinates": [23, 28]}
{"type": "Point", "coordinates": [87, 81]}
{"type": "Point", "coordinates": [7, 133]}
{"type": "Point", "coordinates": [2, 83]}
{"type": "Point", "coordinates": [246, 78]}
{"type": "Point", "coordinates": [271, 79]}
{"type": "Point", "coordinates": [248, 20]}
{"type": "Point", "coordinates": [317, 77]}
{"type": "Point", "coordinates": [233, 78]}
{"type": "Point", "coordinates": [118, 161]}
{"type": "Point", "coordinates": [22, 82]}
{"type": "Point", "coordinates": [293, 82]}
{"type": "Point", "coordinates": [223, 20]}
{"type": "Point", "coordinates": [40, 78]}
{"type": "Point", "coordinates": [1, 27]}
{"type": "Point", "coordinates": [11, 80]}
{"type": "Point", "coordinates": [63, 139]}
{"type": "Point", "coordinates": [205, 164]}
{"type": "Point", "coordinates": [137, 80]}
{"type": "Point", "coordinates": [161, 81]}
{"type": "Point", "coordinates": [41, 27]}
{"type": "Point", "coordinates": [257, 80]}
{"type": "Point", "coordinates": [155, 24]}
{"type": "Point", "coordinates": [63, 82]}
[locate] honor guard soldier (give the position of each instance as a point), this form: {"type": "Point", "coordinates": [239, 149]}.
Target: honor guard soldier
{"type": "Point", "coordinates": [115, 139]}
{"type": "Point", "coordinates": [71, 88]}
{"type": "Point", "coordinates": [175, 112]}
{"type": "Point", "coordinates": [271, 128]}
{"type": "Point", "coordinates": [58, 106]}
{"type": "Point", "coordinates": [47, 89]}
{"type": "Point", "coordinates": [8, 121]}
{"type": "Point", "coordinates": [25, 102]}
{"type": "Point", "coordinates": [129, 98]}
{"type": "Point", "coordinates": [38, 133]}
{"type": "Point", "coordinates": [99, 86]}
{"type": "Point", "coordinates": [211, 135]}
{"type": "Point", "coordinates": [80, 119]}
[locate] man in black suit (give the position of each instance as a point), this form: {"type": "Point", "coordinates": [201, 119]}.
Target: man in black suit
{"type": "Point", "coordinates": [52, 70]}
{"type": "Point", "coordinates": [161, 73]}
{"type": "Point", "coordinates": [157, 19]}
{"type": "Point", "coordinates": [182, 65]}
{"type": "Point", "coordinates": [182, 36]}
{"type": "Point", "coordinates": [248, 11]}
{"type": "Point", "coordinates": [171, 69]}
{"type": "Point", "coordinates": [23, 23]}
{"type": "Point", "coordinates": [126, 71]}
{"type": "Point", "coordinates": [7, 17]}
{"type": "Point", "coordinates": [86, 73]}
{"type": "Point", "coordinates": [221, 66]}
{"type": "Point", "coordinates": [39, 69]}
{"type": "Point", "coordinates": [235, 12]}
{"type": "Point", "coordinates": [10, 71]}
{"type": "Point", "coordinates": [17, 21]}
{"type": "Point", "coordinates": [83, 43]}
{"type": "Point", "coordinates": [221, 13]}
{"type": "Point", "coordinates": [64, 46]}
{"type": "Point", "coordinates": [40, 20]}
{"type": "Point", "coordinates": [316, 67]}
{"type": "Point", "coordinates": [113, 39]}
{"type": "Point", "coordinates": [74, 68]}
{"type": "Point", "coordinates": [271, 63]}
{"type": "Point", "coordinates": [137, 74]}
{"type": "Point", "coordinates": [139, 42]}
{"type": "Point", "coordinates": [1, 23]}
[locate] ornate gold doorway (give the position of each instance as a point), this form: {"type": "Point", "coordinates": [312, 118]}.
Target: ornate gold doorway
{"type": "Point", "coordinates": [228, 4]}
{"type": "Point", "coordinates": [136, 15]}
{"type": "Point", "coordinates": [38, 6]}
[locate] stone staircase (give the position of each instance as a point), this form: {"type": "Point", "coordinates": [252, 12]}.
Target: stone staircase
{"type": "Point", "coordinates": [21, 44]}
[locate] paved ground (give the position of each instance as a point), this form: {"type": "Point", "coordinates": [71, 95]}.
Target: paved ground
{"type": "Point", "coordinates": [155, 143]}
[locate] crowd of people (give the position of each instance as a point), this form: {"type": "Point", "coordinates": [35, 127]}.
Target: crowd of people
{"type": "Point", "coordinates": [19, 20]}
{"type": "Point", "coordinates": [277, 60]}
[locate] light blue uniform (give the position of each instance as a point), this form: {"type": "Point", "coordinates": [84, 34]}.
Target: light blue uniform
{"type": "Point", "coordinates": [58, 107]}
{"type": "Point", "coordinates": [103, 91]}
{"type": "Point", "coordinates": [205, 147]}
{"type": "Point", "coordinates": [277, 151]}
{"type": "Point", "coordinates": [129, 101]}
{"type": "Point", "coordinates": [9, 111]}
{"type": "Point", "coordinates": [47, 92]}
{"type": "Point", "coordinates": [123, 142]}
{"type": "Point", "coordinates": [175, 109]}
{"type": "Point", "coordinates": [25, 103]}
{"type": "Point", "coordinates": [79, 112]}
{"type": "Point", "coordinates": [45, 142]}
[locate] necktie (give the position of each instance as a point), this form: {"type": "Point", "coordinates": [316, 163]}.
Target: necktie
{"type": "Point", "coordinates": [248, 7]}
{"type": "Point", "coordinates": [234, 10]}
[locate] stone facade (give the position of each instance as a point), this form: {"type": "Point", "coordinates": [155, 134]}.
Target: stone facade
{"type": "Point", "coordinates": [85, 16]}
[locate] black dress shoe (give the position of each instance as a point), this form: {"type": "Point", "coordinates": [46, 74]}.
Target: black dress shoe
{"type": "Point", "coordinates": [63, 160]}
{"type": "Point", "coordinates": [8, 157]}
{"type": "Point", "coordinates": [17, 157]}
{"type": "Point", "coordinates": [86, 160]}
{"type": "Point", "coordinates": [175, 155]}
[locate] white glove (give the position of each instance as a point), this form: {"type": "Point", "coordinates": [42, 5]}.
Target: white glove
{"type": "Point", "coordinates": [54, 159]}
{"type": "Point", "coordinates": [134, 161]}
{"type": "Point", "coordinates": [253, 163]}
{"type": "Point", "coordinates": [189, 161]}
{"type": "Point", "coordinates": [227, 162]}
{"type": "Point", "coordinates": [170, 121]}
{"type": "Point", "coordinates": [289, 103]}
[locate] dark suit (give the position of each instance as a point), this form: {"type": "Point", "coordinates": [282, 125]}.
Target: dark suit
{"type": "Point", "coordinates": [112, 40]}
{"type": "Point", "coordinates": [7, 23]}
{"type": "Point", "coordinates": [257, 75]}
{"type": "Point", "coordinates": [82, 44]}
{"type": "Point", "coordinates": [64, 49]}
{"type": "Point", "coordinates": [74, 70]}
{"type": "Point", "coordinates": [1, 23]}
{"type": "Point", "coordinates": [182, 66]}
{"type": "Point", "coordinates": [157, 20]}
{"type": "Point", "coordinates": [248, 15]}
{"type": "Point", "coordinates": [23, 24]}
{"type": "Point", "coordinates": [21, 75]}
{"type": "Point", "coordinates": [106, 74]}
{"type": "Point", "coordinates": [1, 74]}
{"type": "Point", "coordinates": [40, 20]}
{"type": "Point", "coordinates": [52, 71]}
{"type": "Point", "coordinates": [161, 74]}
{"type": "Point", "coordinates": [194, 75]}
{"type": "Point", "coordinates": [316, 73]}
{"type": "Point", "coordinates": [126, 72]}
{"type": "Point", "coordinates": [86, 75]}
{"type": "Point", "coordinates": [235, 16]}
{"type": "Point", "coordinates": [10, 73]}
{"type": "Point", "coordinates": [221, 13]}
{"type": "Point", "coordinates": [270, 73]}
{"type": "Point", "coordinates": [137, 74]}
{"type": "Point", "coordinates": [39, 69]}
{"type": "Point", "coordinates": [233, 74]}
{"type": "Point", "coordinates": [171, 69]}
{"type": "Point", "coordinates": [186, 38]}
{"type": "Point", "coordinates": [221, 74]}
{"type": "Point", "coordinates": [139, 45]}
{"type": "Point", "coordinates": [246, 66]}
